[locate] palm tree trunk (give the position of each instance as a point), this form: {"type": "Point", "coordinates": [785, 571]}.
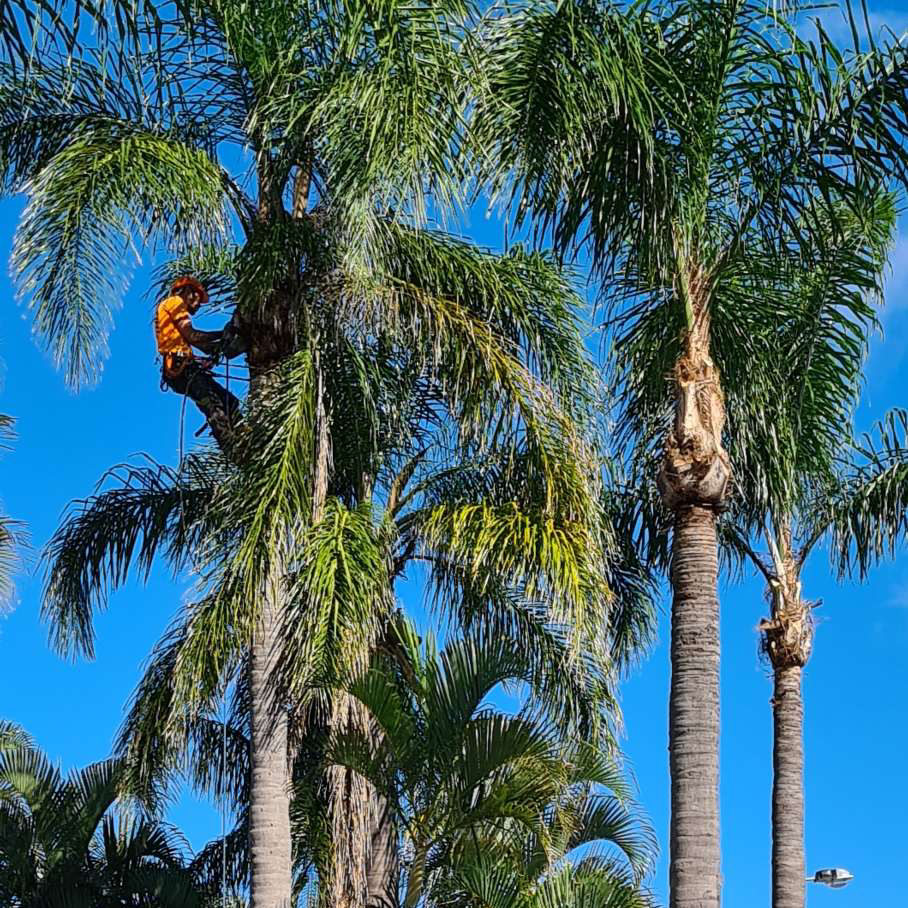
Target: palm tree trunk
{"type": "Point", "coordinates": [269, 795]}
{"type": "Point", "coordinates": [694, 875]}
{"type": "Point", "coordinates": [351, 808]}
{"type": "Point", "coordinates": [693, 480]}
{"type": "Point", "coordinates": [788, 864]}
{"type": "Point", "coordinates": [787, 642]}
{"type": "Point", "coordinates": [383, 869]}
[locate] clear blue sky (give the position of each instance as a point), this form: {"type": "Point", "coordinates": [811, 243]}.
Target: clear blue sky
{"type": "Point", "coordinates": [856, 684]}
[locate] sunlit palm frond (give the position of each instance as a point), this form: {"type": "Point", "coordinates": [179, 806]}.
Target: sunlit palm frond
{"type": "Point", "coordinates": [523, 297]}
{"type": "Point", "coordinates": [85, 208]}
{"type": "Point", "coordinates": [867, 516]}
{"type": "Point", "coordinates": [338, 598]}
{"type": "Point", "coordinates": [150, 510]}
{"type": "Point", "coordinates": [541, 73]}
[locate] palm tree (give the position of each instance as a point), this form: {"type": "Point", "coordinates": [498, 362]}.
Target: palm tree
{"type": "Point", "coordinates": [469, 513]}
{"type": "Point", "coordinates": [669, 142]}
{"type": "Point", "coordinates": [394, 422]}
{"type": "Point", "coordinates": [797, 468]}
{"type": "Point", "coordinates": [473, 787]}
{"type": "Point", "coordinates": [347, 117]}
{"type": "Point", "coordinates": [65, 843]}
{"type": "Point", "coordinates": [862, 511]}
{"type": "Point", "coordinates": [796, 463]}
{"type": "Point", "coordinates": [521, 786]}
{"type": "Point", "coordinates": [791, 387]}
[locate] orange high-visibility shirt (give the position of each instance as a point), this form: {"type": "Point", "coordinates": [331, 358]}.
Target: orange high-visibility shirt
{"type": "Point", "coordinates": [166, 329]}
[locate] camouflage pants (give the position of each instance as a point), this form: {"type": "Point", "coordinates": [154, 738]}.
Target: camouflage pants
{"type": "Point", "coordinates": [218, 405]}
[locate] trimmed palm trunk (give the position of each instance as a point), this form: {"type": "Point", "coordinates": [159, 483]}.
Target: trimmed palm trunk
{"type": "Point", "coordinates": [693, 482]}
{"type": "Point", "coordinates": [788, 864]}
{"type": "Point", "coordinates": [269, 791]}
{"type": "Point", "coordinates": [787, 641]}
{"type": "Point", "coordinates": [694, 712]}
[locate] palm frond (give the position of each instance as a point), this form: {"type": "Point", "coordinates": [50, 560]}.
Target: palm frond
{"type": "Point", "coordinates": [85, 208]}
{"type": "Point", "coordinates": [867, 516]}
{"type": "Point", "coordinates": [150, 510]}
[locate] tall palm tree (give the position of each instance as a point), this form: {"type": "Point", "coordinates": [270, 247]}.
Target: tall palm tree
{"type": "Point", "coordinates": [446, 503]}
{"type": "Point", "coordinates": [345, 118]}
{"type": "Point", "coordinates": [861, 510]}
{"type": "Point", "coordinates": [667, 141]}
{"type": "Point", "coordinates": [412, 434]}
{"type": "Point", "coordinates": [791, 343]}
{"type": "Point", "coordinates": [64, 842]}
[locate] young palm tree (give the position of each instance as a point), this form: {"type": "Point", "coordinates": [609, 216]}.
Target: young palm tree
{"type": "Point", "coordinates": [474, 788]}
{"type": "Point", "coordinates": [669, 141]}
{"type": "Point", "coordinates": [63, 843]}
{"type": "Point", "coordinates": [345, 118]}
{"type": "Point", "coordinates": [521, 786]}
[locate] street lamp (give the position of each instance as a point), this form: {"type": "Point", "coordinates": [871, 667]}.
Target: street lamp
{"type": "Point", "coordinates": [834, 877]}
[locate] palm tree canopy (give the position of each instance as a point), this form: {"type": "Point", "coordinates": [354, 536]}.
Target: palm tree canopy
{"type": "Point", "coordinates": [62, 843]}
{"type": "Point", "coordinates": [655, 132]}
{"type": "Point", "coordinates": [148, 133]}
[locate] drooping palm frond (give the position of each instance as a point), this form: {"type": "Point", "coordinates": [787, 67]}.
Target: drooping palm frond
{"type": "Point", "coordinates": [339, 597]}
{"type": "Point", "coordinates": [541, 69]}
{"type": "Point", "coordinates": [83, 209]}
{"type": "Point", "coordinates": [150, 510]}
{"type": "Point", "coordinates": [524, 298]}
{"type": "Point", "coordinates": [867, 514]}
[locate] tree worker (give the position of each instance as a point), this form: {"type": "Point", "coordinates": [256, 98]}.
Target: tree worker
{"type": "Point", "coordinates": [181, 371]}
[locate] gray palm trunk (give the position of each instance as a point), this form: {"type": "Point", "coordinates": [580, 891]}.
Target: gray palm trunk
{"type": "Point", "coordinates": [694, 712]}
{"type": "Point", "coordinates": [383, 871]}
{"type": "Point", "coordinates": [787, 642]}
{"type": "Point", "coordinates": [693, 481]}
{"type": "Point", "coordinates": [271, 880]}
{"type": "Point", "coordinates": [270, 843]}
{"type": "Point", "coordinates": [788, 864]}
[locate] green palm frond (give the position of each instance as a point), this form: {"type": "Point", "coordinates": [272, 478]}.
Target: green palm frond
{"type": "Point", "coordinates": [867, 516]}
{"type": "Point", "coordinates": [338, 599]}
{"type": "Point", "coordinates": [469, 781]}
{"type": "Point", "coordinates": [389, 119]}
{"type": "Point", "coordinates": [14, 736]}
{"type": "Point", "coordinates": [541, 70]}
{"type": "Point", "coordinates": [150, 510]}
{"type": "Point", "coordinates": [66, 844]}
{"type": "Point", "coordinates": [84, 208]}
{"type": "Point", "coordinates": [524, 298]}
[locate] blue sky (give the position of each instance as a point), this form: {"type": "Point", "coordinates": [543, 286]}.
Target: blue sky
{"type": "Point", "coordinates": [856, 684]}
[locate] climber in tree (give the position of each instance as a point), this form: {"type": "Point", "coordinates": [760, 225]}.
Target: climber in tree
{"type": "Point", "coordinates": [181, 371]}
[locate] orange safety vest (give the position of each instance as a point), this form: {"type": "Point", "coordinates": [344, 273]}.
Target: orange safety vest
{"type": "Point", "coordinates": [171, 344]}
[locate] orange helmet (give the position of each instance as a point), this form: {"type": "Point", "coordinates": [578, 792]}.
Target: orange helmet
{"type": "Point", "coordinates": [187, 281]}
